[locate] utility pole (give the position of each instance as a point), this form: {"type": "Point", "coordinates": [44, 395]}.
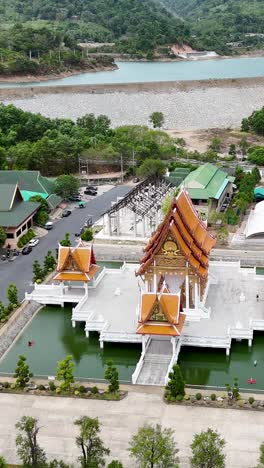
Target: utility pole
{"type": "Point", "coordinates": [122, 178]}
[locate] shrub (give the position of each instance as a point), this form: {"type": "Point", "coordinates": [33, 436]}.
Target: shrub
{"type": "Point", "coordinates": [76, 393]}
{"type": "Point", "coordinates": [87, 235]}
{"type": "Point", "coordinates": [179, 397]}
{"type": "Point", "coordinates": [26, 238]}
{"type": "Point", "coordinates": [241, 403]}
{"type": "Point", "coordinates": [94, 389]}
{"type": "Point", "coordinates": [213, 397]}
{"type": "Point", "coordinates": [58, 390]}
{"type": "Point", "coordinates": [52, 386]}
{"type": "Point", "coordinates": [6, 384]}
{"type": "Point", "coordinates": [251, 400]}
{"type": "Point", "coordinates": [186, 397]}
{"type": "Point", "coordinates": [198, 396]}
{"type": "Point", "coordinates": [41, 387]}
{"type": "Point", "coordinates": [82, 389]}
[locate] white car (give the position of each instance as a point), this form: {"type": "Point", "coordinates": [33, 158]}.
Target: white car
{"type": "Point", "coordinates": [33, 242]}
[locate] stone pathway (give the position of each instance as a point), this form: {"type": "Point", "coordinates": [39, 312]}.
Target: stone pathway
{"type": "Point", "coordinates": [242, 430]}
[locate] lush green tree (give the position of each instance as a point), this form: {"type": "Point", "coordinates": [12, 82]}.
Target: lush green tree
{"type": "Point", "coordinates": [157, 119]}
{"type": "Point", "coordinates": [255, 122]}
{"type": "Point", "coordinates": [152, 167]}
{"type": "Point", "coordinates": [66, 241]}
{"type": "Point", "coordinates": [113, 464]}
{"type": "Point", "coordinates": [22, 373]}
{"type": "Point", "coordinates": [38, 272]}
{"type": "Point", "coordinates": [66, 186]}
{"type": "Point", "coordinates": [2, 236]}
{"type": "Point", "coordinates": [233, 389]}
{"type": "Point", "coordinates": [49, 262]}
{"type": "Point", "coordinates": [256, 156]}
{"type": "Point", "coordinates": [261, 455]}
{"type": "Point", "coordinates": [92, 447]}
{"type": "Point", "coordinates": [243, 145]}
{"type": "Point", "coordinates": [12, 294]}
{"type": "Point", "coordinates": [176, 384]}
{"type": "Point", "coordinates": [65, 375]}
{"type": "Point", "coordinates": [215, 144]}
{"type": "Point", "coordinates": [222, 235]}
{"type": "Point", "coordinates": [28, 449]}
{"type": "Point", "coordinates": [111, 374]}
{"type": "Point", "coordinates": [58, 464]}
{"type": "Point", "coordinates": [41, 217]}
{"type": "Point", "coordinates": [232, 149]}
{"type": "Point", "coordinates": [207, 450]}
{"type": "Point", "coordinates": [3, 463]}
{"type": "Point", "coordinates": [154, 447]}
{"type": "Point", "coordinates": [87, 235]}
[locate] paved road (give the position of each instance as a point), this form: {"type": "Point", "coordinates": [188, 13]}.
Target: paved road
{"type": "Point", "coordinates": [242, 430]}
{"type": "Point", "coordinates": [20, 271]}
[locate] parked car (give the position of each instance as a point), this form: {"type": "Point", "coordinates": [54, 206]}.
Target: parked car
{"type": "Point", "coordinates": [48, 225]}
{"type": "Point", "coordinates": [91, 187]}
{"type": "Point", "coordinates": [76, 197]}
{"type": "Point", "coordinates": [26, 250]}
{"type": "Point", "coordinates": [33, 242]}
{"type": "Point", "coordinates": [90, 192]}
{"type": "Point", "coordinates": [65, 213]}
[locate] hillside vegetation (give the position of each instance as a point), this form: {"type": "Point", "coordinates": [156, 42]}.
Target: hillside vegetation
{"type": "Point", "coordinates": [218, 22]}
{"type": "Point", "coordinates": [137, 25]}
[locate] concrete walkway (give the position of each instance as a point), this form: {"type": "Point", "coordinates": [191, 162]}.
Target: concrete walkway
{"type": "Point", "coordinates": [242, 430]}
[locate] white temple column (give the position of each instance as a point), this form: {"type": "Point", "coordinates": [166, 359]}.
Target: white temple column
{"type": "Point", "coordinates": [109, 225]}
{"type": "Point", "coordinates": [196, 296]}
{"type": "Point", "coordinates": [143, 343]}
{"type": "Point", "coordinates": [187, 292]}
{"type": "Point", "coordinates": [118, 223]}
{"type": "Point", "coordinates": [173, 342]}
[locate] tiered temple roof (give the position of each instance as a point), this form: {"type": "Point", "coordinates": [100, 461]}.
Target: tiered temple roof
{"type": "Point", "coordinates": [189, 232]}
{"type": "Point", "coordinates": [160, 314]}
{"type": "Point", "coordinates": [76, 263]}
{"type": "Point", "coordinates": [180, 246]}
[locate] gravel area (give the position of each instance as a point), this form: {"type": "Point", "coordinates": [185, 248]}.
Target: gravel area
{"type": "Point", "coordinates": [15, 328]}
{"type": "Point", "coordinates": [192, 109]}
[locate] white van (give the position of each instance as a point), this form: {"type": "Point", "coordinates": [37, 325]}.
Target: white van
{"type": "Point", "coordinates": [48, 225]}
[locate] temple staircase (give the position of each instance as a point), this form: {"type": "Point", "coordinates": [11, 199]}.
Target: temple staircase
{"type": "Point", "coordinates": [154, 363]}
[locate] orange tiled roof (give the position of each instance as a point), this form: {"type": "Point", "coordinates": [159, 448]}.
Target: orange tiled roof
{"type": "Point", "coordinates": [190, 233]}
{"type": "Point", "coordinates": [75, 263]}
{"type": "Point", "coordinates": [169, 303]}
{"type": "Point", "coordinates": [76, 275]}
{"type": "Point", "coordinates": [151, 328]}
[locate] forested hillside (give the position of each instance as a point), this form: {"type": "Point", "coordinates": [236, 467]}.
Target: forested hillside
{"type": "Point", "coordinates": [140, 24]}
{"type": "Point", "coordinates": [218, 22]}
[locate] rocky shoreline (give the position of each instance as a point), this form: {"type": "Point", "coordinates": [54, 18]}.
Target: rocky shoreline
{"type": "Point", "coordinates": [186, 105]}
{"type": "Point", "coordinates": [54, 76]}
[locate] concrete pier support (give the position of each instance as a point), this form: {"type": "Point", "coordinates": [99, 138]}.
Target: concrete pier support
{"type": "Point", "coordinates": [73, 324]}
{"type": "Point", "coordinates": [227, 351]}
{"type": "Point", "coordinates": [101, 344]}
{"type": "Point", "coordinates": [87, 333]}
{"type": "Point", "coordinates": [249, 343]}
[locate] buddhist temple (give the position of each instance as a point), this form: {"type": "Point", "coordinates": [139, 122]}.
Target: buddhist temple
{"type": "Point", "coordinates": [76, 263]}
{"type": "Point", "coordinates": [174, 270]}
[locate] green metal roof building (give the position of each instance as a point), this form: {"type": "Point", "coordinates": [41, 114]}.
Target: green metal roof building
{"type": "Point", "coordinates": [31, 183]}
{"type": "Point", "coordinates": [16, 215]}
{"type": "Point", "coordinates": [209, 184]}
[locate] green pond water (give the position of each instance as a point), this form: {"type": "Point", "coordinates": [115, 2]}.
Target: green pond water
{"type": "Point", "coordinates": [211, 367]}
{"type": "Point", "coordinates": [54, 338]}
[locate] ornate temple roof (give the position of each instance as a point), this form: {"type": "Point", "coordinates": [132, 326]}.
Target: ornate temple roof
{"type": "Point", "coordinates": [189, 232]}
{"type": "Point", "coordinates": [160, 314]}
{"type": "Point", "coordinates": [76, 263]}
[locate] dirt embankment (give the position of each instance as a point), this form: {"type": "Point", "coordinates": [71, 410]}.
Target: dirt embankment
{"type": "Point", "coordinates": [131, 88]}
